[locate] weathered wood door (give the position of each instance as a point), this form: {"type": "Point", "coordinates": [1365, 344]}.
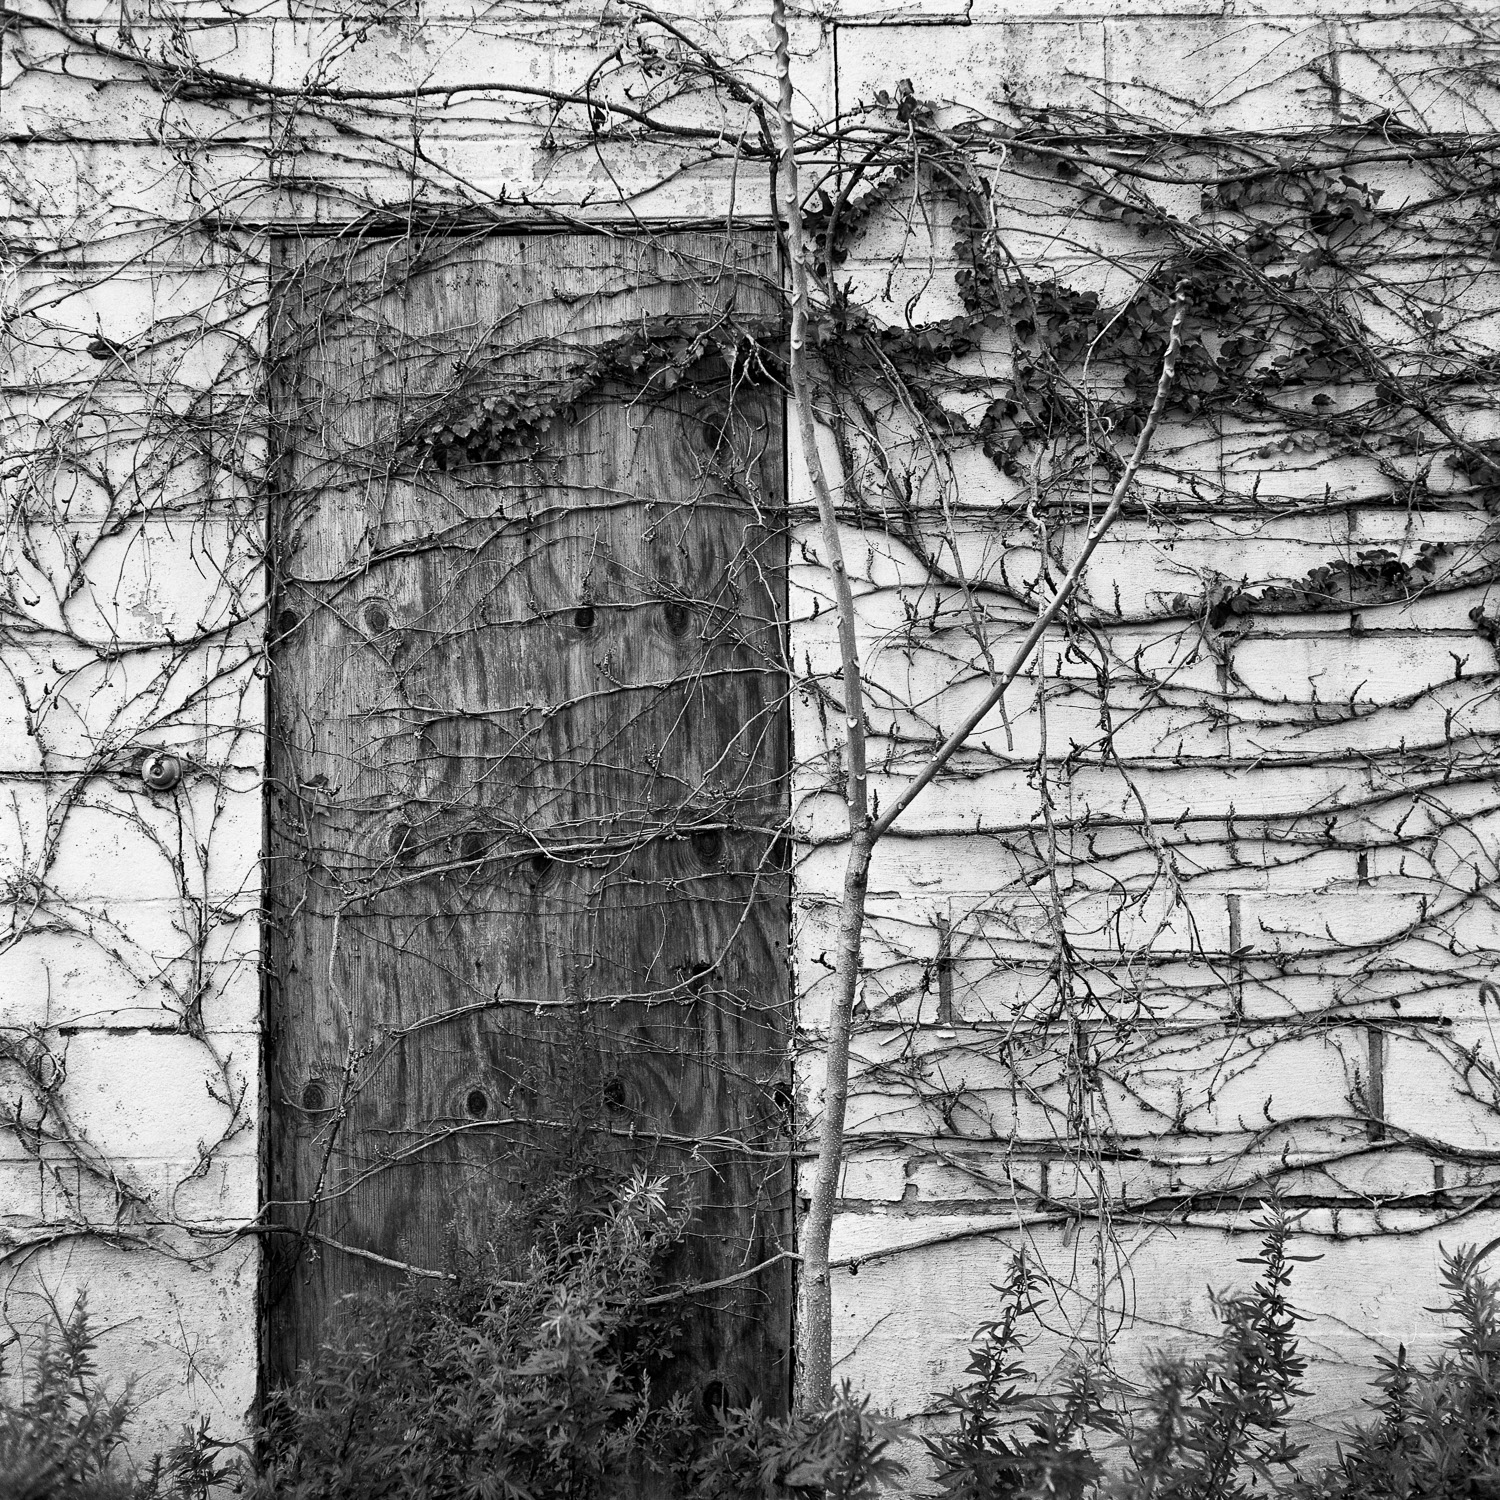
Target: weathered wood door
{"type": "Point", "coordinates": [528, 906]}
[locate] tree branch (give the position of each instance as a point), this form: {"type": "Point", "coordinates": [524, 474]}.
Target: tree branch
{"type": "Point", "coordinates": [1065, 589]}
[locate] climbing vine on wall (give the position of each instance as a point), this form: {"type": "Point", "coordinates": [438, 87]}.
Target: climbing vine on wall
{"type": "Point", "coordinates": [1215, 885]}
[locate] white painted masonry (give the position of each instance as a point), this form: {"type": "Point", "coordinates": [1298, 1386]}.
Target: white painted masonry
{"type": "Point", "coordinates": [129, 982]}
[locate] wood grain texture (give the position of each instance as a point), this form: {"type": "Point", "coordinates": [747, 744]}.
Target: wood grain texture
{"type": "Point", "coordinates": [528, 910]}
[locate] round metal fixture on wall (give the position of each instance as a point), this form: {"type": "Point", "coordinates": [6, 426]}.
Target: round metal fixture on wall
{"type": "Point", "coordinates": [161, 771]}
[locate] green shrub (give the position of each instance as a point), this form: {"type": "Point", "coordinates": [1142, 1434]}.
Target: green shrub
{"type": "Point", "coordinates": [1211, 1428]}
{"type": "Point", "coordinates": [539, 1386]}
{"type": "Point", "coordinates": [1217, 1427]}
{"type": "Point", "coordinates": [536, 1382]}
{"type": "Point", "coordinates": [529, 1387]}
{"type": "Point", "coordinates": [63, 1436]}
{"type": "Point", "coordinates": [840, 1454]}
{"type": "Point", "coordinates": [1001, 1439]}
{"type": "Point", "coordinates": [1437, 1431]}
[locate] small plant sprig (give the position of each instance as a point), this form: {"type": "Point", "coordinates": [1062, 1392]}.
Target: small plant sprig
{"type": "Point", "coordinates": [1007, 1440]}
{"type": "Point", "coordinates": [1217, 1426]}
{"type": "Point", "coordinates": [1436, 1435]}
{"type": "Point", "coordinates": [65, 1435]}
{"type": "Point", "coordinates": [1210, 1428]}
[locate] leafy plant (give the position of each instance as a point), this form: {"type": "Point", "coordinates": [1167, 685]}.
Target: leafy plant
{"type": "Point", "coordinates": [529, 1388]}
{"type": "Point", "coordinates": [1210, 1428]}
{"type": "Point", "coordinates": [1216, 1428]}
{"type": "Point", "coordinates": [62, 1439]}
{"type": "Point", "coordinates": [540, 1387]}
{"type": "Point", "coordinates": [63, 1435]}
{"type": "Point", "coordinates": [1437, 1431]}
{"type": "Point", "coordinates": [1005, 1441]}
{"type": "Point", "coordinates": [840, 1453]}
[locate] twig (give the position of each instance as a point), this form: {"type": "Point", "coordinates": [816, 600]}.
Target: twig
{"type": "Point", "coordinates": [678, 1293]}
{"type": "Point", "coordinates": [1065, 589]}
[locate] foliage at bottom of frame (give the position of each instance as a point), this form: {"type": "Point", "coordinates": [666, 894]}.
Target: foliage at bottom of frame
{"type": "Point", "coordinates": [540, 1388]}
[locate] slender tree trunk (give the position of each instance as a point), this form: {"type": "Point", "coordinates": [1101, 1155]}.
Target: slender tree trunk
{"type": "Point", "coordinates": [815, 1301]}
{"type": "Point", "coordinates": [815, 1311]}
{"type": "Point", "coordinates": [815, 1362]}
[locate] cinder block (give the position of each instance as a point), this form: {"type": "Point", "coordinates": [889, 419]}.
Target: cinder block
{"type": "Point", "coordinates": [129, 964]}
{"type": "Point", "coordinates": [1439, 1082]}
{"type": "Point", "coordinates": [989, 801]}
{"type": "Point", "coordinates": [222, 1191]}
{"type": "Point", "coordinates": [1272, 463]}
{"type": "Point", "coordinates": [22, 1192]}
{"type": "Point", "coordinates": [1224, 72]}
{"type": "Point", "coordinates": [116, 454]}
{"type": "Point", "coordinates": [1428, 721]}
{"type": "Point", "coordinates": [219, 1192]}
{"type": "Point", "coordinates": [977, 68]}
{"type": "Point", "coordinates": [201, 841]}
{"type": "Point", "coordinates": [147, 583]}
{"type": "Point", "coordinates": [59, 191]}
{"type": "Point", "coordinates": [89, 702]}
{"type": "Point", "coordinates": [162, 319]}
{"type": "Point", "coordinates": [143, 1095]}
{"type": "Point", "coordinates": [68, 92]}
{"type": "Point", "coordinates": [1371, 669]}
{"type": "Point", "coordinates": [1430, 72]}
{"type": "Point", "coordinates": [998, 1178]}
{"type": "Point", "coordinates": [19, 751]}
{"type": "Point", "coordinates": [880, 1179]}
{"type": "Point", "coordinates": [1385, 1171]}
{"type": "Point", "coordinates": [1326, 921]}
{"type": "Point", "coordinates": [444, 54]}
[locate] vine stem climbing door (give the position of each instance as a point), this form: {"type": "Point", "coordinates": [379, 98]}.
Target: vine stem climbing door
{"type": "Point", "coordinates": [527, 888]}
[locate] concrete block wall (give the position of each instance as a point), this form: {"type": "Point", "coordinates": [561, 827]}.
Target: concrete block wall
{"type": "Point", "coordinates": [1318, 942]}
{"type": "Point", "coordinates": [1326, 915]}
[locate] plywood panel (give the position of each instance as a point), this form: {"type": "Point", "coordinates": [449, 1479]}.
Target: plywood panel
{"type": "Point", "coordinates": [528, 910]}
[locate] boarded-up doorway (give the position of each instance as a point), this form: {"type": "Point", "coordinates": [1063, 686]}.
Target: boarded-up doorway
{"type": "Point", "coordinates": [527, 892]}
